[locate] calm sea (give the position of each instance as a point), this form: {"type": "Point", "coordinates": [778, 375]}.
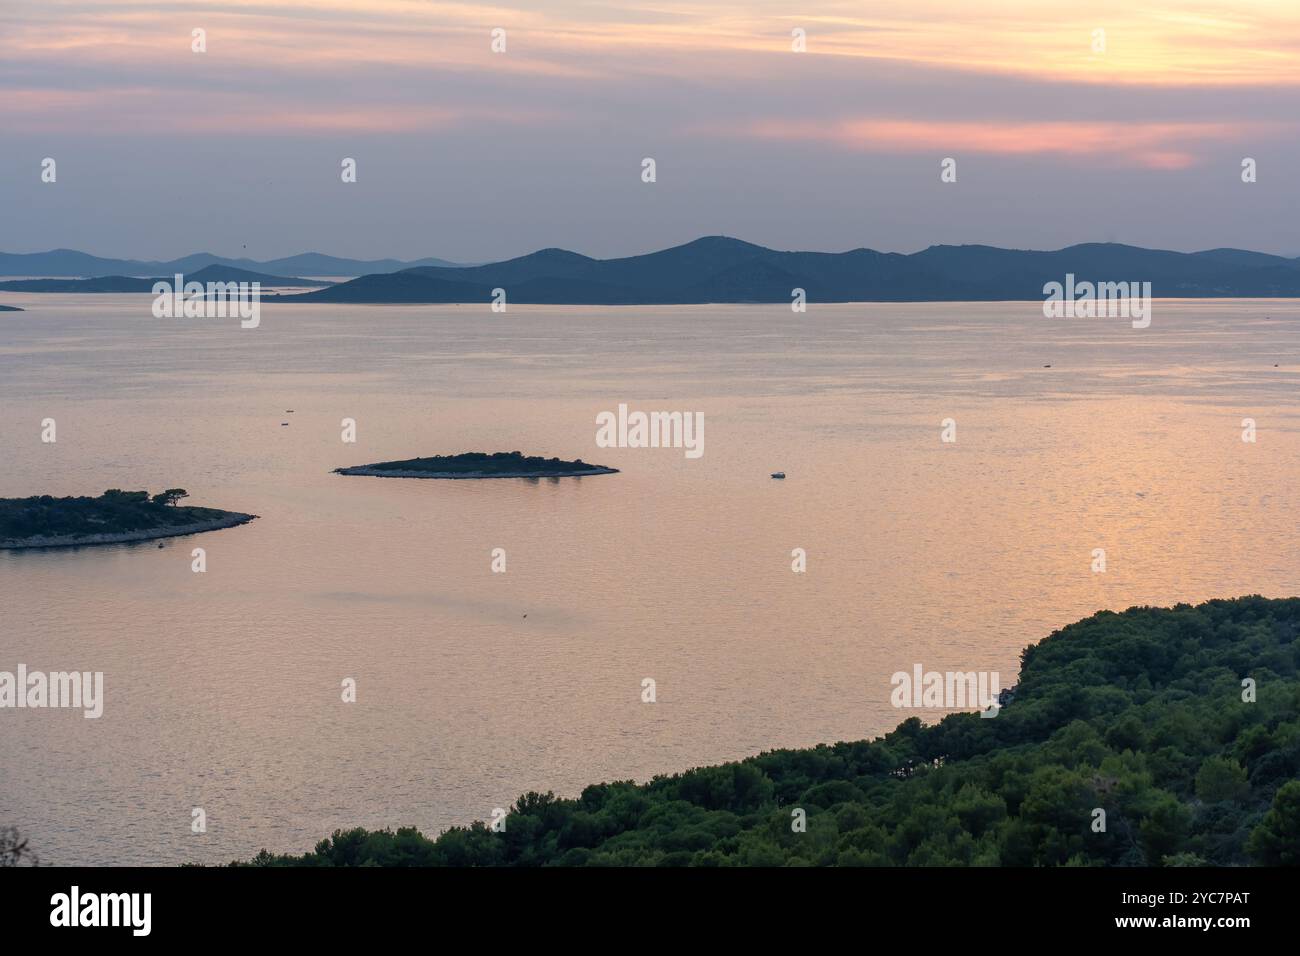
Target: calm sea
{"type": "Point", "coordinates": [223, 688]}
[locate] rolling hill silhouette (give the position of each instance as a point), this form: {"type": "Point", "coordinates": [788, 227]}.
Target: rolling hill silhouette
{"type": "Point", "coordinates": [720, 269]}
{"type": "Point", "coordinates": [212, 273]}
{"type": "Point", "coordinates": [65, 263]}
{"type": "Point", "coordinates": [713, 269]}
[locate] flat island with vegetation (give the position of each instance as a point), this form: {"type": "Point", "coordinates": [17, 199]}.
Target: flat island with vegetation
{"type": "Point", "coordinates": [115, 516]}
{"type": "Point", "coordinates": [479, 464]}
{"type": "Point", "coordinates": [1152, 737]}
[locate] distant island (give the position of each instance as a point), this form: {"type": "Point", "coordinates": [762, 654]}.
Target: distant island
{"type": "Point", "coordinates": [1152, 737]}
{"type": "Point", "coordinates": [9, 308]}
{"type": "Point", "coordinates": [478, 464]}
{"type": "Point", "coordinates": [63, 263]}
{"type": "Point", "coordinates": [115, 516]}
{"type": "Point", "coordinates": [718, 269]}
{"type": "Point", "coordinates": [714, 269]}
{"type": "Point", "coordinates": [119, 284]}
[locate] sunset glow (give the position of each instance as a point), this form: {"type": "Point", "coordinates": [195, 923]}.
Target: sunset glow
{"type": "Point", "coordinates": [787, 93]}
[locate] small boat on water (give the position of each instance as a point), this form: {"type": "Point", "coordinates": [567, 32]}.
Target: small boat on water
{"type": "Point", "coordinates": [778, 474]}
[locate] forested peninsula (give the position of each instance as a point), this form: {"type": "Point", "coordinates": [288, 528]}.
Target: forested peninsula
{"type": "Point", "coordinates": [1180, 725]}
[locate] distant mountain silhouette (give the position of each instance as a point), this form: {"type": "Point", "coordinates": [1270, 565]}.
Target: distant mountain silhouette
{"type": "Point", "coordinates": [212, 273]}
{"type": "Point", "coordinates": [712, 269]}
{"type": "Point", "coordinates": [720, 269]}
{"type": "Point", "coordinates": [65, 263]}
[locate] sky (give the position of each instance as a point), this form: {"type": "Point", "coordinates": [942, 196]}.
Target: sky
{"type": "Point", "coordinates": [1060, 133]}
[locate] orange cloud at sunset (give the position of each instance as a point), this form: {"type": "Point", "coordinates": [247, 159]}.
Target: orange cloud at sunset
{"type": "Point", "coordinates": [1185, 43]}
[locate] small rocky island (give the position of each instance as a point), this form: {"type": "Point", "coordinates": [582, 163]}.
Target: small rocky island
{"type": "Point", "coordinates": [479, 464]}
{"type": "Point", "coordinates": [115, 516]}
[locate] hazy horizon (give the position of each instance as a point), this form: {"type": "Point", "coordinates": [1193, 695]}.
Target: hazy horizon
{"type": "Point", "coordinates": [454, 259]}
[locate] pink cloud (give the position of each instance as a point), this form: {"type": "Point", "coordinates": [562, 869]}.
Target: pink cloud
{"type": "Point", "coordinates": [137, 110]}
{"type": "Point", "coordinates": [1152, 145]}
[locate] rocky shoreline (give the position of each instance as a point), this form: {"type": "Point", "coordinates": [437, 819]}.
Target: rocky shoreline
{"type": "Point", "coordinates": [388, 473]}
{"type": "Point", "coordinates": [230, 520]}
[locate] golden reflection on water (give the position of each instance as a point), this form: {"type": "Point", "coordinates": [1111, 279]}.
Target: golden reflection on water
{"type": "Point", "coordinates": [223, 688]}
